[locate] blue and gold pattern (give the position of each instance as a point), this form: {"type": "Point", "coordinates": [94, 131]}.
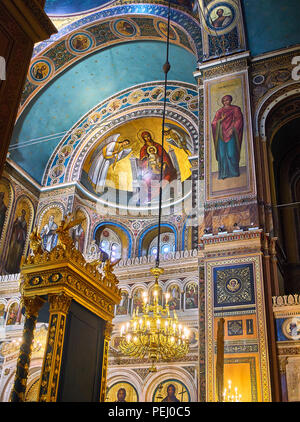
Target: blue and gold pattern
{"type": "Point", "coordinates": [233, 285]}
{"type": "Point", "coordinates": [235, 328]}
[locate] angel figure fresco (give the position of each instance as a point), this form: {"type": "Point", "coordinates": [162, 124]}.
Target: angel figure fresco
{"type": "Point", "coordinates": [227, 128]}
{"type": "Point", "coordinates": [176, 138]}
{"type": "Point", "coordinates": [106, 156]}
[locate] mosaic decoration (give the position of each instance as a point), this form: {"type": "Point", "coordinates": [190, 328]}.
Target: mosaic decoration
{"type": "Point", "coordinates": [146, 93]}
{"type": "Point", "coordinates": [171, 390]}
{"type": "Point", "coordinates": [223, 31]}
{"type": "Point", "coordinates": [122, 392]}
{"type": "Point", "coordinates": [234, 285]}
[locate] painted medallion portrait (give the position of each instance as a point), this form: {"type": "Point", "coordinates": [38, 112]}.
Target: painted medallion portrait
{"type": "Point", "coordinates": [124, 28]}
{"type": "Point", "coordinates": [40, 71]}
{"type": "Point", "coordinates": [291, 328]}
{"type": "Point", "coordinates": [171, 391]}
{"type": "Point", "coordinates": [81, 42]}
{"type": "Point", "coordinates": [221, 16]}
{"type": "Point", "coordinates": [123, 168]}
{"type": "Point", "coordinates": [162, 29]}
{"type": "Point", "coordinates": [122, 392]}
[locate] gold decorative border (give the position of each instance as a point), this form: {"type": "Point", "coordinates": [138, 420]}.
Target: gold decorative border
{"type": "Point", "coordinates": [261, 325]}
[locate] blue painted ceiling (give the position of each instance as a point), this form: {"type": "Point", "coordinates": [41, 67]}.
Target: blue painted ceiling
{"type": "Point", "coordinates": [68, 7]}
{"type": "Point", "coordinates": [271, 24]}
{"type": "Point", "coordinates": [81, 87]}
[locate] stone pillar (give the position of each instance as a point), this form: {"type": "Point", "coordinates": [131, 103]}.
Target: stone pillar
{"type": "Point", "coordinates": [59, 306]}
{"type": "Point", "coordinates": [32, 307]}
{"type": "Point", "coordinates": [107, 336]}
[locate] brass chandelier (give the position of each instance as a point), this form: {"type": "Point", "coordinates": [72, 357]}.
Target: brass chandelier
{"type": "Point", "coordinates": [154, 333]}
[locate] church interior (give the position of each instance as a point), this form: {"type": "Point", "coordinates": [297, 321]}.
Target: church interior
{"type": "Point", "coordinates": [112, 163]}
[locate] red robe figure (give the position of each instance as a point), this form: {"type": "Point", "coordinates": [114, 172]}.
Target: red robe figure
{"type": "Point", "coordinates": [227, 128]}
{"type": "Point", "coordinates": [150, 173]}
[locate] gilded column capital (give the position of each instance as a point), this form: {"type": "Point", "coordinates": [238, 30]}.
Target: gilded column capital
{"type": "Point", "coordinates": [32, 305]}
{"type": "Point", "coordinates": [108, 330]}
{"type": "Point", "coordinates": [59, 303]}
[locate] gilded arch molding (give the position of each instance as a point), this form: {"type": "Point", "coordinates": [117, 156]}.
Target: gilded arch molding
{"type": "Point", "coordinates": [52, 57]}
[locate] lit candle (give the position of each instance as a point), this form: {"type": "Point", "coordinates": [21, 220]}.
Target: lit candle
{"type": "Point", "coordinates": [167, 297]}
{"type": "Point", "coordinates": [158, 323]}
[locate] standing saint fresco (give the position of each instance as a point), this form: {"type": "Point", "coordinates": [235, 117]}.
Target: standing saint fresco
{"type": "Point", "coordinates": [17, 244]}
{"type": "Point", "coordinates": [48, 234]}
{"type": "Point", "coordinates": [3, 209]}
{"type": "Point", "coordinates": [227, 128]}
{"type": "Point", "coordinates": [104, 157]}
{"type": "Point", "coordinates": [78, 236]}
